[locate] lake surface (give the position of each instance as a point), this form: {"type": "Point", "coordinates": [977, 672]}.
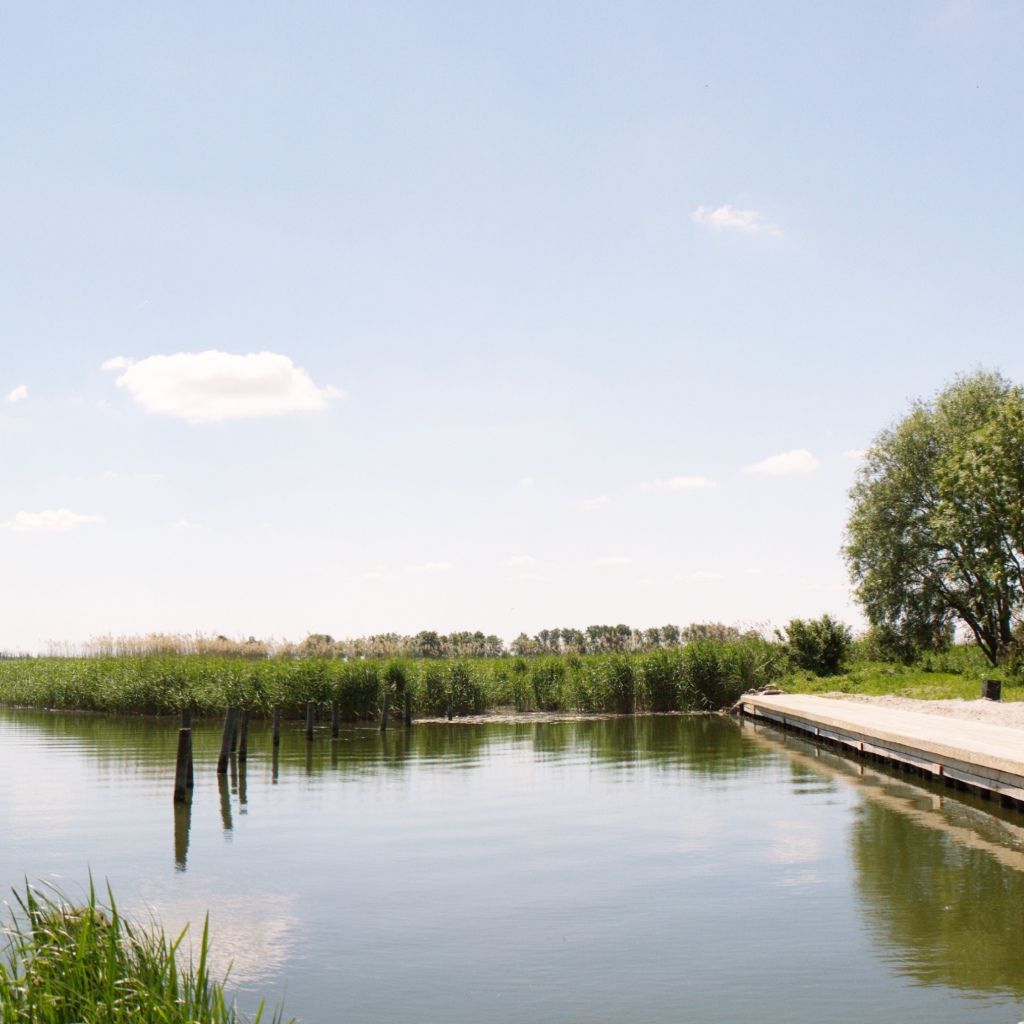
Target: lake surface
{"type": "Point", "coordinates": [650, 870]}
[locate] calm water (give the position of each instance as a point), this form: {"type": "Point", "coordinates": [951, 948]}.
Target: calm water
{"type": "Point", "coordinates": [651, 870]}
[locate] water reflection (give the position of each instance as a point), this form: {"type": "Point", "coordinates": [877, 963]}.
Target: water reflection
{"type": "Point", "coordinates": [182, 827]}
{"type": "Point", "coordinates": [940, 878]}
{"type": "Point", "coordinates": [543, 860]}
{"type": "Point", "coordinates": [225, 802]}
{"type": "Point", "coordinates": [709, 745]}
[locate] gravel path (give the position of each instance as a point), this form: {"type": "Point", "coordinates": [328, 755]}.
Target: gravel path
{"type": "Point", "coordinates": [995, 712]}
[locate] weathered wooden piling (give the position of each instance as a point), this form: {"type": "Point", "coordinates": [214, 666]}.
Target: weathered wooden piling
{"type": "Point", "coordinates": [186, 723]}
{"type": "Point", "coordinates": [384, 713]}
{"type": "Point", "coordinates": [225, 741]}
{"type": "Point", "coordinates": [408, 709]}
{"type": "Point", "coordinates": [276, 726]}
{"type": "Point", "coordinates": [182, 766]}
{"type": "Point", "coordinates": [309, 719]}
{"type": "Point", "coordinates": [243, 740]}
{"type": "Point", "coordinates": [335, 720]}
{"type": "Point", "coordinates": [449, 707]}
{"type": "Point", "coordinates": [234, 730]}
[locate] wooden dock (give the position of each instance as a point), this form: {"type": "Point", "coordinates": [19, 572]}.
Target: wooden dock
{"type": "Point", "coordinates": [967, 754]}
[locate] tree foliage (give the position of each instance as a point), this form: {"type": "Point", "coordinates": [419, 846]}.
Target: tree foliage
{"type": "Point", "coordinates": [936, 533]}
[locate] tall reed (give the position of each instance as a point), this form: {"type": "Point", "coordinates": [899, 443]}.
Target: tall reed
{"type": "Point", "coordinates": [86, 963]}
{"type": "Point", "coordinates": [702, 675]}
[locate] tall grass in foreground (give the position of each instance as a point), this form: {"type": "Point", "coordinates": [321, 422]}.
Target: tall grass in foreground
{"type": "Point", "coordinates": [704, 675]}
{"type": "Point", "coordinates": [87, 964]}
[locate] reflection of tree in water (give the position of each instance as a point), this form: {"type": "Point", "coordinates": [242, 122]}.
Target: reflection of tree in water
{"type": "Point", "coordinates": [952, 914]}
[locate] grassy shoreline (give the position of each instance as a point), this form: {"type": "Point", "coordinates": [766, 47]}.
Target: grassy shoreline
{"type": "Point", "coordinates": [704, 675]}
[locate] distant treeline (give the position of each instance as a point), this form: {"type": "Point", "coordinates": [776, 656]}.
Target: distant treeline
{"type": "Point", "coordinates": [600, 639]}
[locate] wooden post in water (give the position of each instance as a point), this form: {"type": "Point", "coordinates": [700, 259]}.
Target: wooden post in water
{"type": "Point", "coordinates": [335, 721]}
{"type": "Point", "coordinates": [225, 741]}
{"type": "Point", "coordinates": [309, 719]}
{"type": "Point", "coordinates": [234, 729]}
{"type": "Point", "coordinates": [449, 707]}
{"type": "Point", "coordinates": [186, 723]}
{"type": "Point", "coordinates": [243, 742]}
{"type": "Point", "coordinates": [276, 726]}
{"type": "Point", "coordinates": [384, 712]}
{"type": "Point", "coordinates": [182, 765]}
{"type": "Point", "coordinates": [408, 710]}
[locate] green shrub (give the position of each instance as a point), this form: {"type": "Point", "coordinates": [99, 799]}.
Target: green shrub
{"type": "Point", "coordinates": [818, 645]}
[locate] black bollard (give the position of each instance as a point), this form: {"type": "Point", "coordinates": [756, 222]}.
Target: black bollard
{"type": "Point", "coordinates": [991, 689]}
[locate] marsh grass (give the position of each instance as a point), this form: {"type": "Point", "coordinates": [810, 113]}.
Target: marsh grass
{"type": "Point", "coordinates": [86, 963]}
{"type": "Point", "coordinates": [703, 675]}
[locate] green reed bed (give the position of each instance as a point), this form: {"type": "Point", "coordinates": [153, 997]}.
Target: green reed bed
{"type": "Point", "coordinates": [703, 675]}
{"type": "Point", "coordinates": [86, 963]}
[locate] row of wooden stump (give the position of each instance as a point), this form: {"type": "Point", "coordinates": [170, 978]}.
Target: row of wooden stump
{"type": "Point", "coordinates": [236, 737]}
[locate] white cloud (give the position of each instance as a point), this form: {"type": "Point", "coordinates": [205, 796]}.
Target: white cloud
{"type": "Point", "coordinates": [601, 499]}
{"type": "Point", "coordinates": [50, 521]}
{"type": "Point", "coordinates": [855, 454]}
{"type": "Point", "coordinates": [680, 483]}
{"type": "Point", "coordinates": [729, 218]}
{"type": "Point", "coordinates": [207, 387]}
{"type": "Point", "coordinates": [184, 525]}
{"type": "Point", "coordinates": [378, 572]}
{"type": "Point", "coordinates": [698, 577]}
{"type": "Point", "coordinates": [527, 483]}
{"type": "Point", "coordinates": [429, 567]}
{"type": "Point", "coordinates": [611, 561]}
{"type": "Point", "coordinates": [521, 561]}
{"type": "Point", "coordinates": [793, 463]}
{"type": "Point", "coordinates": [19, 394]}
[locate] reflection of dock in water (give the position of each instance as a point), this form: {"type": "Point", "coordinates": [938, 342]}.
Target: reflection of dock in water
{"type": "Point", "coordinates": [974, 828]}
{"type": "Point", "coordinates": [966, 754]}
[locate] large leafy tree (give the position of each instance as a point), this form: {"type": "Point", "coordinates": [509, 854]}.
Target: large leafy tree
{"type": "Point", "coordinates": [936, 532]}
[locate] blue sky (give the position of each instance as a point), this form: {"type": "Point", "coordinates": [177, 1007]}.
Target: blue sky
{"type": "Point", "coordinates": [350, 318]}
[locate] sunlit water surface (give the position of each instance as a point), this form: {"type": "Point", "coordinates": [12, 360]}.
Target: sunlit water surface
{"type": "Point", "coordinates": [667, 869]}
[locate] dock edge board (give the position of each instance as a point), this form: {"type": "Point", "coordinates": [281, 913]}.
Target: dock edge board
{"type": "Point", "coordinates": [953, 771]}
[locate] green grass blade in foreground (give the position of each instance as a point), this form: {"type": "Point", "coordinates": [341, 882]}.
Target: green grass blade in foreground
{"type": "Point", "coordinates": [86, 963]}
